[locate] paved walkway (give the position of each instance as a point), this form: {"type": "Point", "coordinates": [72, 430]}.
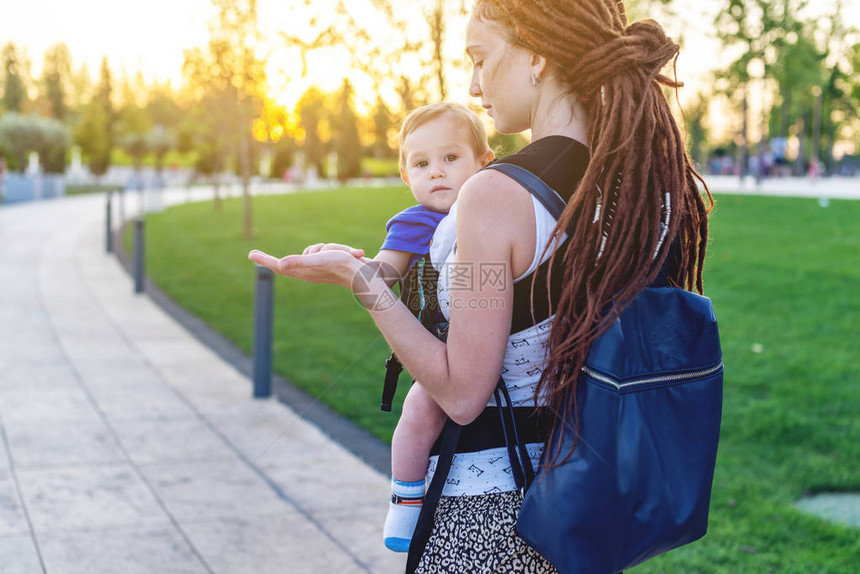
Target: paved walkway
{"type": "Point", "coordinates": [126, 446]}
{"type": "Point", "coordinates": [829, 188]}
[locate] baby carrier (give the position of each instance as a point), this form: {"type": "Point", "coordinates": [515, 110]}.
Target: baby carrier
{"type": "Point", "coordinates": [418, 293]}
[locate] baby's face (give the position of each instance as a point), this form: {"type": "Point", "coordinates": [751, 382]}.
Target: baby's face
{"type": "Point", "coordinates": [438, 159]}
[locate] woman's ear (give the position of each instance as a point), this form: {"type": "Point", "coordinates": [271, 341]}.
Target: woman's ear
{"type": "Point", "coordinates": [487, 157]}
{"type": "Point", "coordinates": [538, 66]}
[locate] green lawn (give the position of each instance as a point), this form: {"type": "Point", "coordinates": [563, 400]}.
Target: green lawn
{"type": "Point", "coordinates": [783, 274]}
{"type": "Point", "coordinates": [94, 188]}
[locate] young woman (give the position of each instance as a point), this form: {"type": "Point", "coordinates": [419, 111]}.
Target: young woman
{"type": "Point", "coordinates": [587, 85]}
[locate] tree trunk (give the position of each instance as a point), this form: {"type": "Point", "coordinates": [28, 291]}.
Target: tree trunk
{"type": "Point", "coordinates": [217, 191]}
{"type": "Point", "coordinates": [743, 149]}
{"type": "Point", "coordinates": [816, 125]}
{"type": "Point", "coordinates": [245, 159]}
{"type": "Point", "coordinates": [785, 112]}
{"type": "Point", "coordinates": [800, 162]}
{"type": "Point", "coordinates": [437, 33]}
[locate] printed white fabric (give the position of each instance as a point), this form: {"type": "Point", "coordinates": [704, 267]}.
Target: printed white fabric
{"type": "Point", "coordinates": [490, 471]}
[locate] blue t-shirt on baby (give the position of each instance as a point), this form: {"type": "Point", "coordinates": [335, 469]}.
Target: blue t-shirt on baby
{"type": "Point", "coordinates": [411, 231]}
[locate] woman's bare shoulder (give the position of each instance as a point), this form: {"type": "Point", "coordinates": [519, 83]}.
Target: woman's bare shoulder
{"type": "Point", "coordinates": [491, 194]}
{"type": "Point", "coordinates": [493, 207]}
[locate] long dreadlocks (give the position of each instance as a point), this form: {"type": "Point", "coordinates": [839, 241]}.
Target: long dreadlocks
{"type": "Point", "coordinates": [639, 195]}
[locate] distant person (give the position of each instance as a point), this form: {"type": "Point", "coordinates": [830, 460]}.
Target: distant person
{"type": "Point", "coordinates": [441, 146]}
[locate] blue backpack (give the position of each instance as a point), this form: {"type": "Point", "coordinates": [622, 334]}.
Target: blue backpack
{"type": "Point", "coordinates": [648, 411]}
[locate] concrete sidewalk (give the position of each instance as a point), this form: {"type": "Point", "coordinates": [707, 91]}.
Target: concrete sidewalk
{"type": "Point", "coordinates": [129, 447]}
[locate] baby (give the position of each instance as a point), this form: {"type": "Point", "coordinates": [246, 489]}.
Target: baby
{"type": "Point", "coordinates": [441, 146]}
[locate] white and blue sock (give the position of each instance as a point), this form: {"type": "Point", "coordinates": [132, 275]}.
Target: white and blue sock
{"type": "Point", "coordinates": [403, 511]}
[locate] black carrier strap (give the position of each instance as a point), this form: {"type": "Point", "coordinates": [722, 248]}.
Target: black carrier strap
{"type": "Point", "coordinates": [555, 204]}
{"type": "Point", "coordinates": [449, 439]}
{"type": "Point", "coordinates": [531, 426]}
{"type": "Point", "coordinates": [421, 278]}
{"type": "Point", "coordinates": [487, 431]}
{"type": "Point", "coordinates": [393, 368]}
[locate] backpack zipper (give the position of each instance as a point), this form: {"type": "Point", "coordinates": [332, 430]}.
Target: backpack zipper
{"type": "Point", "coordinates": [649, 380]}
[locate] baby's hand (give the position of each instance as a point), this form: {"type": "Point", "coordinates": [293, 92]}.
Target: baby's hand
{"type": "Point", "coordinates": [317, 247]}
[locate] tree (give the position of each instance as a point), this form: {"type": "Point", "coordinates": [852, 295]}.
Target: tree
{"type": "Point", "coordinates": [312, 110]}
{"type": "Point", "coordinates": [20, 135]}
{"type": "Point", "coordinates": [133, 123]}
{"type": "Point", "coordinates": [95, 132]}
{"type": "Point", "coordinates": [389, 47]}
{"type": "Point", "coordinates": [56, 80]}
{"type": "Point", "coordinates": [697, 132]}
{"type": "Point", "coordinates": [348, 142]}
{"type": "Point", "coordinates": [160, 141]}
{"type": "Point", "coordinates": [436, 20]}
{"type": "Point", "coordinates": [54, 145]}
{"type": "Point", "coordinates": [639, 9]}
{"type": "Point", "coordinates": [382, 124]}
{"type": "Point", "coordinates": [80, 90]}
{"type": "Point", "coordinates": [14, 88]}
{"type": "Point", "coordinates": [740, 26]}
{"type": "Point", "coordinates": [838, 109]}
{"type": "Point", "coordinates": [93, 135]}
{"type": "Point", "coordinates": [230, 79]}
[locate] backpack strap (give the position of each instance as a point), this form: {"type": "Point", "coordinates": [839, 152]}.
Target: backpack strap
{"type": "Point", "coordinates": [550, 199]}
{"type": "Point", "coordinates": [450, 437]}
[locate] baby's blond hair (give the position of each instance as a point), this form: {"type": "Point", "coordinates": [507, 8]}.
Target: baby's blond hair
{"type": "Point", "coordinates": [420, 116]}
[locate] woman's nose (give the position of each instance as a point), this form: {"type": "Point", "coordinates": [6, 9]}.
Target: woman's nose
{"type": "Point", "coordinates": [475, 85]}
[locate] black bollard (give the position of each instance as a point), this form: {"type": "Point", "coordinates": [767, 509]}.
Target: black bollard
{"type": "Point", "coordinates": [109, 224]}
{"type": "Point", "coordinates": [139, 254]}
{"type": "Point", "coordinates": [263, 311]}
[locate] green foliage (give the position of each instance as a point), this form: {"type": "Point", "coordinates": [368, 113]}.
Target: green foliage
{"type": "Point", "coordinates": [385, 167]}
{"type": "Point", "coordinates": [14, 90]}
{"type": "Point", "coordinates": [21, 135]}
{"type": "Point", "coordinates": [93, 134]}
{"type": "Point", "coordinates": [348, 143]}
{"type": "Point", "coordinates": [55, 145]}
{"type": "Point", "coordinates": [133, 126]}
{"type": "Point", "coordinates": [56, 78]}
{"type": "Point", "coordinates": [695, 117]}
{"type": "Point", "coordinates": [284, 157]}
{"type": "Point", "coordinates": [803, 63]}
{"type": "Point", "coordinates": [506, 144]}
{"type": "Point", "coordinates": [227, 80]}
{"type": "Point", "coordinates": [382, 125]}
{"type": "Point", "coordinates": [95, 188]}
{"type": "Point", "coordinates": [95, 130]}
{"type": "Point", "coordinates": [782, 277]}
{"type": "Point", "coordinates": [313, 109]}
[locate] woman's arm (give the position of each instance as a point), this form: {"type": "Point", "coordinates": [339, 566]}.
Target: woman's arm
{"type": "Point", "coordinates": [392, 264]}
{"type": "Point", "coordinates": [495, 217]}
{"type": "Point", "coordinates": [493, 213]}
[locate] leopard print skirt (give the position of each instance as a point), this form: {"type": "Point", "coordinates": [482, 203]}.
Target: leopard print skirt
{"type": "Point", "coordinates": [477, 535]}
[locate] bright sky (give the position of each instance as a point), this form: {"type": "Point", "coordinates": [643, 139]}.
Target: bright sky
{"type": "Point", "coordinates": [151, 36]}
